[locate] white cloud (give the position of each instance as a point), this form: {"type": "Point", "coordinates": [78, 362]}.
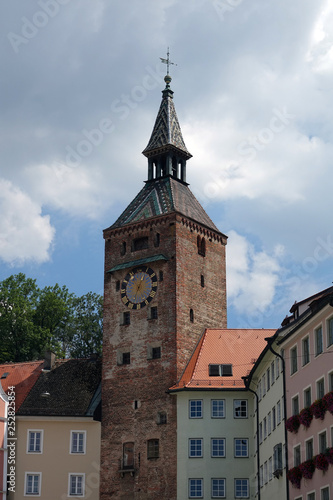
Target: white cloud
{"type": "Point", "coordinates": [252, 276]}
{"type": "Point", "coordinates": [77, 191]}
{"type": "Point", "coordinates": [25, 234]}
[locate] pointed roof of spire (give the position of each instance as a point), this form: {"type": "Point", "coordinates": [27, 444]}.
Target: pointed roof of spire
{"type": "Point", "coordinates": [166, 132]}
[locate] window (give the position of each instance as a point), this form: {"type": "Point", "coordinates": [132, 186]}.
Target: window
{"type": "Point", "coordinates": [325, 493]}
{"type": "Point", "coordinates": [126, 318]}
{"type": "Point", "coordinates": [269, 422]}
{"type": "Point", "coordinates": [268, 379]}
{"type": "Point", "coordinates": [123, 248]}
{"type": "Point", "coordinates": [265, 428]}
{"type": "Point", "coordinates": [220, 370]}
{"type": "Point", "coordinates": [162, 417]}
{"type": "Point", "coordinates": [240, 408]}
{"type": "Point", "coordinates": [306, 351]}
{"type": "Point", "coordinates": [218, 447]}
{"type": "Point", "coordinates": [270, 469]}
{"type": "Point", "coordinates": [140, 243]}
{"type": "Point", "coordinates": [195, 488]}
{"type": "Point", "coordinates": [126, 358]}
{"type": "Point", "coordinates": [153, 313]}
{"type": "Point", "coordinates": [218, 488]}
{"type": "Point", "coordinates": [293, 360]}
{"type": "Point", "coordinates": [309, 449]}
{"type": "Point", "coordinates": [311, 496]}
{"type": "Point", "coordinates": [201, 244]}
{"type": "Point", "coordinates": [195, 408]}
{"type": "Point", "coordinates": [297, 455]}
{"type": "Point", "coordinates": [128, 455]}
{"type": "Point", "coordinates": [218, 408]}
{"type": "Point", "coordinates": [153, 448]}
{"type": "Point", "coordinates": [157, 240]}
{"type": "Point", "coordinates": [241, 447]}
{"type": "Point", "coordinates": [277, 457]}
{"type": "Point", "coordinates": [78, 441]}
{"type": "Point", "coordinates": [273, 372]}
{"type": "Point", "coordinates": [265, 473]}
{"type": "Point", "coordinates": [320, 388]}
{"type": "Point", "coordinates": [191, 315]}
{"type": "Point", "coordinates": [319, 341]}
{"type": "Point", "coordinates": [260, 432]}
{"type": "Point", "coordinates": [295, 405]}
{"type": "Point", "coordinates": [330, 381]}
{"type": "Point", "coordinates": [329, 332]}
{"type": "Point", "coordinates": [32, 483]}
{"type": "Point", "coordinates": [202, 281]}
{"type": "Point", "coordinates": [264, 384]}
{"type": "Point", "coordinates": [76, 485]}
{"type": "Point", "coordinates": [322, 442]}
{"type": "Point", "coordinates": [277, 367]}
{"type": "Point", "coordinates": [307, 397]}
{"type": "Point", "coordinates": [278, 412]}
{"type": "Point", "coordinates": [241, 488]}
{"type": "Point", "coordinates": [261, 476]}
{"type": "Point", "coordinates": [156, 353]}
{"type": "Point", "coordinates": [195, 448]}
{"type": "Point", "coordinates": [259, 390]}
{"type": "Point", "coordinates": [273, 418]}
{"type": "Point", "coordinates": [35, 441]}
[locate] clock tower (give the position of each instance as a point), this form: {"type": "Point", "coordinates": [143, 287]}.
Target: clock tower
{"type": "Point", "coordinates": [165, 282]}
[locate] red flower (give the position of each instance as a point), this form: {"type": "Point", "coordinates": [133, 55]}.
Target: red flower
{"type": "Point", "coordinates": [328, 401]}
{"type": "Point", "coordinates": [329, 455]}
{"type": "Point", "coordinates": [307, 469]}
{"type": "Point", "coordinates": [318, 409]}
{"type": "Point", "coordinates": [321, 462]}
{"type": "Point", "coordinates": [305, 417]}
{"type": "Point", "coordinates": [295, 475]}
{"type": "Point", "coordinates": [293, 423]}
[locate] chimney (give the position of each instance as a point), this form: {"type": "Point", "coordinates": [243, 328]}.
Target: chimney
{"type": "Point", "coordinates": [49, 360]}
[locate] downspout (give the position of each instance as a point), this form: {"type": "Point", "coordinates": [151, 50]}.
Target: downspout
{"type": "Point", "coordinates": [270, 341]}
{"type": "Point", "coordinates": [247, 385]}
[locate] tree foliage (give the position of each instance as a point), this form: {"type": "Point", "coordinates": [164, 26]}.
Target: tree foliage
{"type": "Point", "coordinates": [33, 320]}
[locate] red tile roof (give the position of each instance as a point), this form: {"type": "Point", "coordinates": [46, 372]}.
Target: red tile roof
{"type": "Point", "coordinates": [22, 376]}
{"type": "Point", "coordinates": [240, 348]}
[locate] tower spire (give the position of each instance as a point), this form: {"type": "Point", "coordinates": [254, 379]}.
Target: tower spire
{"type": "Point", "coordinates": [166, 150]}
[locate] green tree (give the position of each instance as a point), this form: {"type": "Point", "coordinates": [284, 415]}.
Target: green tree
{"type": "Point", "coordinates": [33, 320]}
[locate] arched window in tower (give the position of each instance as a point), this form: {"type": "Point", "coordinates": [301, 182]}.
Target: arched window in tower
{"type": "Point", "coordinates": [191, 315]}
{"type": "Point", "coordinates": [201, 244]}
{"type": "Point", "coordinates": [128, 455]}
{"type": "Point", "coordinates": [123, 248]}
{"type": "Point", "coordinates": [174, 167]}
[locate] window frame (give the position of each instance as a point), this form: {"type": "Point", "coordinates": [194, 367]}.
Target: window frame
{"type": "Point", "coordinates": [324, 488]}
{"type": "Point", "coordinates": [193, 446]}
{"type": "Point", "coordinates": [224, 487]}
{"type": "Point", "coordinates": [322, 446]}
{"type": "Point", "coordinates": [197, 401]}
{"type": "Point", "coordinates": [153, 448]}
{"type": "Point", "coordinates": [329, 332]}
{"type": "Point", "coordinates": [307, 444]}
{"type": "Point", "coordinates": [241, 401]}
{"type": "Point", "coordinates": [241, 455]}
{"type": "Point", "coordinates": [306, 352]}
{"type": "Point", "coordinates": [198, 481]}
{"type": "Point", "coordinates": [247, 488]}
{"type": "Point", "coordinates": [223, 454]}
{"type": "Point", "coordinates": [320, 392]}
{"type": "Point", "coordinates": [34, 474]}
{"type": "Point", "coordinates": [83, 485]}
{"type": "Point", "coordinates": [29, 431]}
{"type": "Point", "coordinates": [293, 360]}
{"type": "Point", "coordinates": [223, 408]}
{"type": "Point", "coordinates": [84, 433]}
{"type": "Point", "coordinates": [319, 346]}
{"type": "Point", "coordinates": [307, 390]}
{"type": "Point", "coordinates": [295, 404]}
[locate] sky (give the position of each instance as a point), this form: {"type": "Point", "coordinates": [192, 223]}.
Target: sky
{"type": "Point", "coordinates": [80, 88]}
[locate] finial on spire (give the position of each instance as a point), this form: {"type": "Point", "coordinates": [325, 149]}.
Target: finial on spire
{"type": "Point", "coordinates": [167, 61]}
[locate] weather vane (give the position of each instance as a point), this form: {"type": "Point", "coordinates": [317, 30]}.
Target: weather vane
{"type": "Point", "coordinates": [167, 62]}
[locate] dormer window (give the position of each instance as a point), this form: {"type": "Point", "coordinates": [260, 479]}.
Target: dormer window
{"type": "Point", "coordinates": [220, 370]}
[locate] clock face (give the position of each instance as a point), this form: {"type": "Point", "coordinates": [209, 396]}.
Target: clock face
{"type": "Point", "coordinates": [139, 287]}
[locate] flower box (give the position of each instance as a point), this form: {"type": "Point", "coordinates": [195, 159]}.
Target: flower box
{"type": "Point", "coordinates": [321, 462]}
{"type": "Point", "coordinates": [318, 409]}
{"type": "Point", "coordinates": [295, 475]}
{"type": "Point", "coordinates": [307, 468]}
{"type": "Point", "coordinates": [293, 423]}
{"type": "Point", "coordinates": [328, 401]}
{"type": "Point", "coordinates": [305, 417]}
